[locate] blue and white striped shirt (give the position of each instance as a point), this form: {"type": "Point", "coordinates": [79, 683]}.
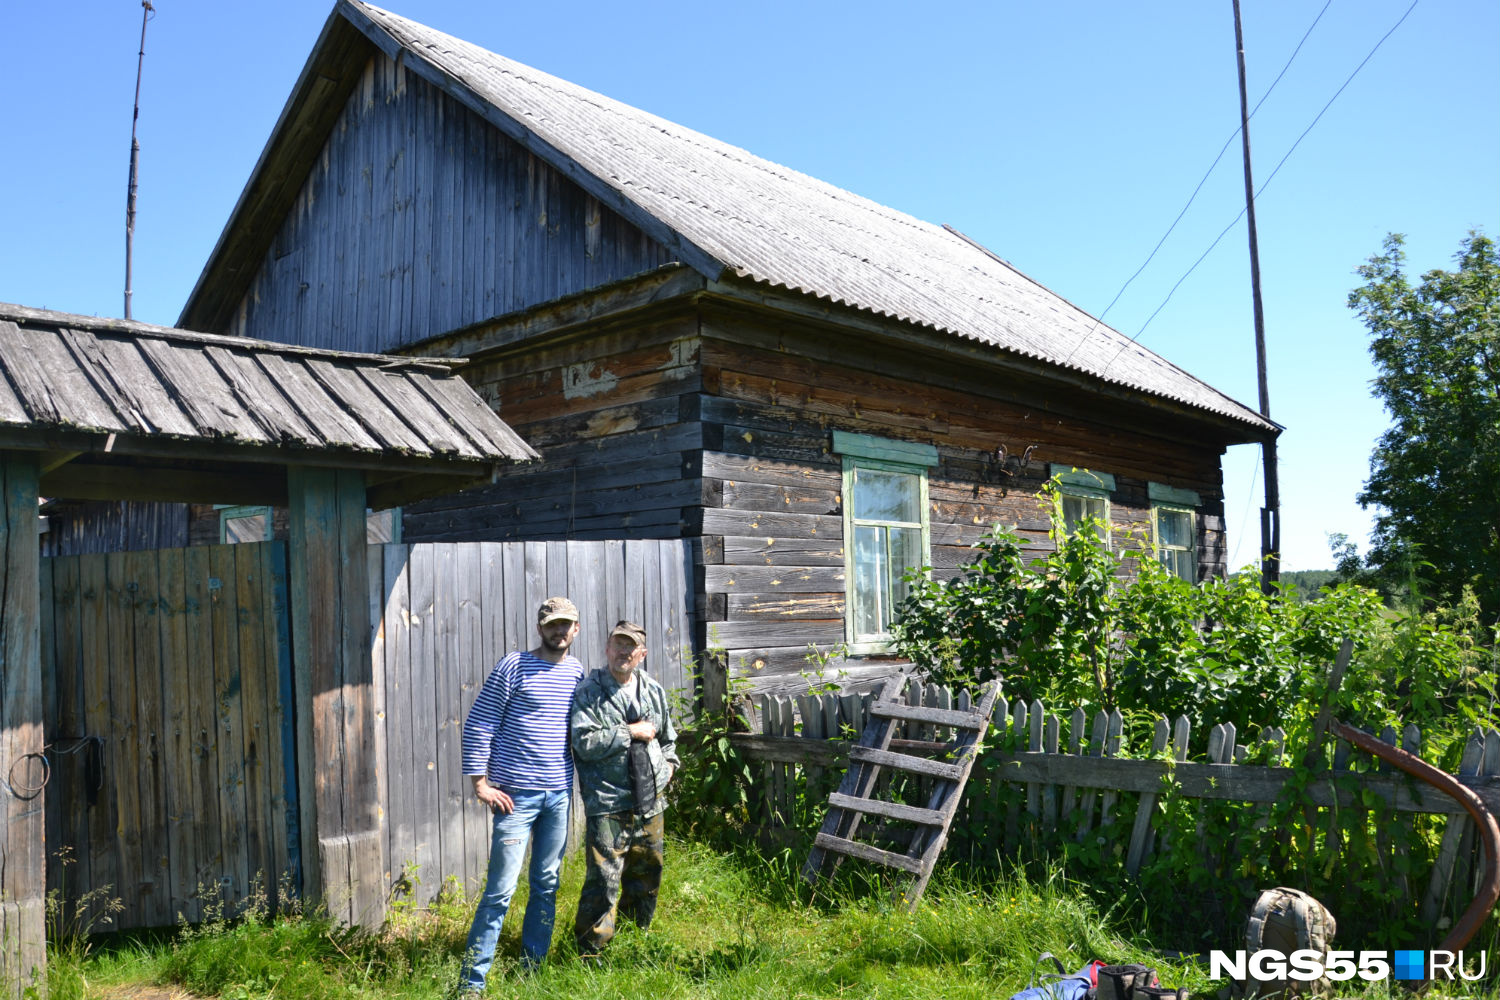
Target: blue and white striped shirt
{"type": "Point", "coordinates": [516, 734]}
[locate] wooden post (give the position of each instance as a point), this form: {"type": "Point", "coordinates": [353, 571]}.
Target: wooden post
{"type": "Point", "coordinates": [23, 943]}
{"type": "Point", "coordinates": [333, 675]}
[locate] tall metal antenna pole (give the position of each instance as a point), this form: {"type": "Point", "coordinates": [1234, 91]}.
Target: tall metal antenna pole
{"type": "Point", "coordinates": [135, 157]}
{"type": "Point", "coordinates": [1270, 514]}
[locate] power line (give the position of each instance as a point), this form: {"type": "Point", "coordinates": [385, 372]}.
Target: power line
{"type": "Point", "coordinates": [1206, 174]}
{"type": "Point", "coordinates": [1266, 183]}
{"type": "Point", "coordinates": [1245, 518]}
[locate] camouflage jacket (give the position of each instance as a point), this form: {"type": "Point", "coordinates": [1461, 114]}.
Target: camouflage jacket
{"type": "Point", "coordinates": [601, 737]}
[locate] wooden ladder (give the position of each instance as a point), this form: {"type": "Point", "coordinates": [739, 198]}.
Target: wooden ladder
{"type": "Point", "coordinates": [878, 748]}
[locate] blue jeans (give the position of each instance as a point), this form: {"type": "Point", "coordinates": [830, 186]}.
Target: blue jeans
{"type": "Point", "coordinates": [542, 818]}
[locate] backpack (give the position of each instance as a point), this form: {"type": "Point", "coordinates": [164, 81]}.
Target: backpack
{"type": "Point", "coordinates": [1059, 985]}
{"type": "Point", "coordinates": [1287, 920]}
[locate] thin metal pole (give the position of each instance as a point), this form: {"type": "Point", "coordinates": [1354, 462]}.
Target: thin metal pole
{"type": "Point", "coordinates": [1270, 514]}
{"type": "Point", "coordinates": [135, 158]}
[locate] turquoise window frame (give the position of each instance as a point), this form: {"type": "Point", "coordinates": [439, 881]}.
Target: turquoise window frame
{"type": "Point", "coordinates": [1175, 500]}
{"type": "Point", "coordinates": [229, 513]}
{"type": "Point", "coordinates": [1086, 484]}
{"type": "Point", "coordinates": [863, 451]}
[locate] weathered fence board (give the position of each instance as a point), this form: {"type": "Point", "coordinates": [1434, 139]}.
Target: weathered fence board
{"type": "Point", "coordinates": [164, 659]}
{"type": "Point", "coordinates": [444, 614]}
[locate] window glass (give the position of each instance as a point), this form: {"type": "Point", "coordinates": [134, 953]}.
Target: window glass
{"type": "Point", "coordinates": [886, 496]}
{"type": "Point", "coordinates": [247, 528]}
{"type": "Point", "coordinates": [886, 528]}
{"type": "Point", "coordinates": [1077, 508]}
{"type": "Point", "coordinates": [1176, 542]}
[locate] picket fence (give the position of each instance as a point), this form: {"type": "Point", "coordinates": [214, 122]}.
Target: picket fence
{"type": "Point", "coordinates": [1077, 783]}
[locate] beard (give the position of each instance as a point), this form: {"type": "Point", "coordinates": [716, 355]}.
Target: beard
{"type": "Point", "coordinates": [557, 643]}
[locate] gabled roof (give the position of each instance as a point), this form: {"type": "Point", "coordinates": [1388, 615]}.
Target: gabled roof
{"type": "Point", "coordinates": [725, 211]}
{"type": "Point", "coordinates": [98, 394]}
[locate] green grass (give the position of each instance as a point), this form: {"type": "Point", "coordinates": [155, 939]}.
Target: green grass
{"type": "Point", "coordinates": [726, 926]}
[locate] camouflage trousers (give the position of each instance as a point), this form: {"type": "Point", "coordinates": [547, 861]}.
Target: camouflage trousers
{"type": "Point", "coordinates": [625, 856]}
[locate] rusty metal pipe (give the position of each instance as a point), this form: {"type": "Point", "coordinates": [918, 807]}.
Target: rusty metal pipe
{"type": "Point", "coordinates": [1484, 820]}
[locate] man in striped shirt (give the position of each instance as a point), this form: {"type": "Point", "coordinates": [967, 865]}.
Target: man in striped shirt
{"type": "Point", "coordinates": [515, 749]}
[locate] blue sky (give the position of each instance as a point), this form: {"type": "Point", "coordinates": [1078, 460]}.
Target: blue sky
{"type": "Point", "coordinates": [1064, 136]}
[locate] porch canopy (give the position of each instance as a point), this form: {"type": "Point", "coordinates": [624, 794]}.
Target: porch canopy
{"type": "Point", "coordinates": [103, 409]}
{"type": "Point", "coordinates": [117, 410]}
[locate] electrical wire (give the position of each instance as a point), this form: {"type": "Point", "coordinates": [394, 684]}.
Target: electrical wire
{"type": "Point", "coordinates": [1239, 537]}
{"type": "Point", "coordinates": [1266, 183]}
{"type": "Point", "coordinates": [1204, 180]}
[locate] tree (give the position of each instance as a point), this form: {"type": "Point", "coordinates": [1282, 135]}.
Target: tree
{"type": "Point", "coordinates": [1435, 474]}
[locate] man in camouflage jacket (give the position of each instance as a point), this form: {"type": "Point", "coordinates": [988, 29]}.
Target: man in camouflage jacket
{"type": "Point", "coordinates": [618, 714]}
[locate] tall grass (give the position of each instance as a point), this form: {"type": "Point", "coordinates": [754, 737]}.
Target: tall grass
{"type": "Point", "coordinates": [730, 926]}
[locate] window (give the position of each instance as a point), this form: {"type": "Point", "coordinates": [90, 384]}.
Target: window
{"type": "Point", "coordinates": [886, 529]}
{"type": "Point", "coordinates": [244, 524]}
{"type": "Point", "coordinates": [1174, 522]}
{"type": "Point", "coordinates": [1085, 494]}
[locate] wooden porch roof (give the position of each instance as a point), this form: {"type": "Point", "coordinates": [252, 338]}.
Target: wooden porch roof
{"type": "Point", "coordinates": [118, 408]}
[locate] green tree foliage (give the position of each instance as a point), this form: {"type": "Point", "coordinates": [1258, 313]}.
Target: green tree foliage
{"type": "Point", "coordinates": [1435, 474]}
{"type": "Point", "coordinates": [1083, 624]}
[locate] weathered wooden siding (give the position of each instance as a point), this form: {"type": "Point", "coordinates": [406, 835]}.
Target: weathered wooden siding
{"type": "Point", "coordinates": [441, 616]}
{"type": "Point", "coordinates": [420, 218]}
{"type": "Point", "coordinates": [167, 684]}
{"type": "Point", "coordinates": [615, 418]}
{"type": "Point", "coordinates": [772, 561]}
{"type": "Point", "coordinates": [119, 526]}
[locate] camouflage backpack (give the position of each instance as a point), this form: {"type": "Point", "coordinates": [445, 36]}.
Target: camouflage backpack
{"type": "Point", "coordinates": [1287, 920]}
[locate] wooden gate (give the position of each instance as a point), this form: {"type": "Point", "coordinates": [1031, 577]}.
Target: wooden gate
{"type": "Point", "coordinates": [167, 688]}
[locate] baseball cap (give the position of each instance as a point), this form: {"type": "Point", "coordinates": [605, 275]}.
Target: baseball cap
{"type": "Point", "coordinates": [630, 630]}
{"type": "Point", "coordinates": [556, 609]}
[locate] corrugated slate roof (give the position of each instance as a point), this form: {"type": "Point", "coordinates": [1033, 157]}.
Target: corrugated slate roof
{"type": "Point", "coordinates": [66, 373]}
{"type": "Point", "coordinates": [775, 225]}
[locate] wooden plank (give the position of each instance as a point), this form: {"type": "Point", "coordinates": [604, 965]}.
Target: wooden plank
{"type": "Point", "coordinates": [717, 521]}
{"type": "Point", "coordinates": [313, 404]}
{"type": "Point", "coordinates": [785, 607]}
{"type": "Point", "coordinates": [769, 550]}
{"type": "Point", "coordinates": [179, 784]}
{"type": "Point", "coordinates": [865, 852]}
{"type": "Point", "coordinates": [935, 716]}
{"type": "Point", "coordinates": [773, 579]}
{"type": "Point", "coordinates": [425, 793]}
{"type": "Point", "coordinates": [471, 667]}
{"type": "Point", "coordinates": [430, 425]}
{"type": "Point", "coordinates": [201, 391]}
{"type": "Point", "coordinates": [891, 810]}
{"type": "Point", "coordinates": [1111, 749]}
{"type": "Point", "coordinates": [401, 813]}
{"type": "Point", "coordinates": [260, 397]}
{"type": "Point", "coordinates": [229, 700]}
{"type": "Point", "coordinates": [904, 762]}
{"type": "Point", "coordinates": [134, 379]}
{"type": "Point", "coordinates": [32, 382]}
{"type": "Point", "coordinates": [23, 839]}
{"type": "Point", "coordinates": [207, 829]}
{"type": "Point", "coordinates": [743, 634]}
{"type": "Point", "coordinates": [281, 744]}
{"type": "Point", "coordinates": [258, 729]}
{"type": "Point", "coordinates": [1140, 830]}
{"type": "Point", "coordinates": [447, 757]}
{"type": "Point", "coordinates": [156, 881]}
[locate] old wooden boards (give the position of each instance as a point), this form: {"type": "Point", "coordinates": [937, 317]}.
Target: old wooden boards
{"type": "Point", "coordinates": [23, 773]}
{"type": "Point", "coordinates": [855, 800]}
{"type": "Point", "coordinates": [340, 819]}
{"type": "Point", "coordinates": [167, 702]}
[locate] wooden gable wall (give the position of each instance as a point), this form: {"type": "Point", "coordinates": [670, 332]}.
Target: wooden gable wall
{"type": "Point", "coordinates": [420, 218]}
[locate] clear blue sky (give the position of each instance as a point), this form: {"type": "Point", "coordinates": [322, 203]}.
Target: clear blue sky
{"type": "Point", "coordinates": [1064, 136]}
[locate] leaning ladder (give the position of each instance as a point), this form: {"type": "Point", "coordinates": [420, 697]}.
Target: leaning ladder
{"type": "Point", "coordinates": [877, 748]}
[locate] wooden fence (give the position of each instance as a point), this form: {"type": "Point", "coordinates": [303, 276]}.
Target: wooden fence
{"type": "Point", "coordinates": [1045, 775]}
{"type": "Point", "coordinates": [441, 615]}
{"type": "Point", "coordinates": [168, 685]}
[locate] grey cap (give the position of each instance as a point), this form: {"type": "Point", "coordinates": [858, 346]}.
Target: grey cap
{"type": "Point", "coordinates": [556, 609]}
{"type": "Point", "coordinates": [630, 630]}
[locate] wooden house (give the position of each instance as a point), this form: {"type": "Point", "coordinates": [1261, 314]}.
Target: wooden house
{"type": "Point", "coordinates": [818, 390]}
